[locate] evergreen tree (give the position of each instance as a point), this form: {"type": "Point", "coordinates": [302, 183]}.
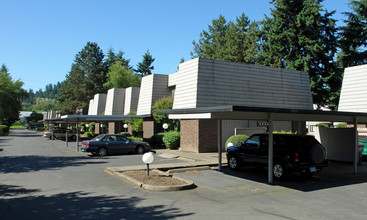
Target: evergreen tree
{"type": "Point", "coordinates": [86, 78]}
{"type": "Point", "coordinates": [353, 36]}
{"type": "Point", "coordinates": [145, 67]}
{"type": "Point", "coordinates": [235, 42]}
{"type": "Point", "coordinates": [112, 57]}
{"type": "Point", "coordinates": [300, 35]}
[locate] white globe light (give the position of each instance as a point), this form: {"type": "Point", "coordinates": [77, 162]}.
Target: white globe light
{"type": "Point", "coordinates": [229, 144]}
{"type": "Point", "coordinates": [148, 158]}
{"type": "Point", "coordinates": [165, 126]}
{"type": "Point", "coordinates": [125, 125]}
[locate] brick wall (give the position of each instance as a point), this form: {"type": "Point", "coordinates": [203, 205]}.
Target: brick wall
{"type": "Point", "coordinates": [189, 138]}
{"type": "Point", "coordinates": [208, 135]}
{"type": "Point", "coordinates": [148, 128]}
{"type": "Point", "coordinates": [199, 136]}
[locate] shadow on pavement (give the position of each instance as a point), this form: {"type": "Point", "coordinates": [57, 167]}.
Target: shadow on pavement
{"type": "Point", "coordinates": [79, 205]}
{"type": "Point", "coordinates": [21, 164]}
{"type": "Point", "coordinates": [336, 175]}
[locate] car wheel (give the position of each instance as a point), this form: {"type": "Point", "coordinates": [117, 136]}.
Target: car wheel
{"type": "Point", "coordinates": [279, 170]}
{"type": "Point", "coordinates": [102, 152]}
{"type": "Point", "coordinates": [140, 150]}
{"type": "Point", "coordinates": [233, 162]}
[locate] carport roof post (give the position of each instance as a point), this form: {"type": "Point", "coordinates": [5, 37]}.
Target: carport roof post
{"type": "Point", "coordinates": [231, 112]}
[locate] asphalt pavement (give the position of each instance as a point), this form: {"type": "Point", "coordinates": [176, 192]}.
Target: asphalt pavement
{"type": "Point", "coordinates": [43, 179]}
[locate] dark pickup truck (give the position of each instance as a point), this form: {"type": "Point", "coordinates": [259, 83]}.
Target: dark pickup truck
{"type": "Point", "coordinates": [292, 154]}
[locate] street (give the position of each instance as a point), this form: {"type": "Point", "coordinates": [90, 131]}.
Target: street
{"type": "Point", "coordinates": [43, 179]}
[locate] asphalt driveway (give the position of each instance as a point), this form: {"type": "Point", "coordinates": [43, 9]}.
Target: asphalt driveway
{"type": "Point", "coordinates": [41, 179]}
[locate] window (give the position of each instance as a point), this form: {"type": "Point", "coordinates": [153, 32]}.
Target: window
{"type": "Point", "coordinates": [253, 142]}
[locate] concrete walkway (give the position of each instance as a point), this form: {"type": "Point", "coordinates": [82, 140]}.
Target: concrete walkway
{"type": "Point", "coordinates": [188, 160]}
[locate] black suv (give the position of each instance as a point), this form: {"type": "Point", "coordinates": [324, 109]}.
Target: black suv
{"type": "Point", "coordinates": [292, 153]}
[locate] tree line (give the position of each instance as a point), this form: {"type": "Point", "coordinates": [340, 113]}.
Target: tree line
{"type": "Point", "coordinates": [299, 35]}
{"type": "Point", "coordinates": [92, 72]}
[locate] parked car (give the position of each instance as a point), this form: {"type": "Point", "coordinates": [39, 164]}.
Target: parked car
{"type": "Point", "coordinates": [59, 133]}
{"type": "Point", "coordinates": [105, 144]}
{"type": "Point", "coordinates": [291, 154]}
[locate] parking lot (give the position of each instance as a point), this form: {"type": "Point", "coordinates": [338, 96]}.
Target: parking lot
{"type": "Point", "coordinates": [43, 179]}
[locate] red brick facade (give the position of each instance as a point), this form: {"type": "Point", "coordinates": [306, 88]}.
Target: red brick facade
{"type": "Point", "coordinates": [148, 128]}
{"type": "Point", "coordinates": [199, 135]}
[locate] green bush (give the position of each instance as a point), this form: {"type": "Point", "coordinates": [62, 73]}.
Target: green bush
{"type": "Point", "coordinates": [172, 139]}
{"type": "Point", "coordinates": [4, 130]}
{"type": "Point", "coordinates": [236, 139]}
{"type": "Point", "coordinates": [136, 138]}
{"type": "Point", "coordinates": [156, 140]}
{"type": "Point", "coordinates": [126, 134]}
{"type": "Point", "coordinates": [88, 134]}
{"type": "Point", "coordinates": [341, 125]}
{"type": "Point", "coordinates": [40, 129]}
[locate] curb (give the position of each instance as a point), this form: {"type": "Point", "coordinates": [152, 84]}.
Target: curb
{"type": "Point", "coordinates": [181, 170]}
{"type": "Point", "coordinates": [188, 185]}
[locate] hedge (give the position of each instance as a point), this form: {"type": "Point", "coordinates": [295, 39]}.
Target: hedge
{"type": "Point", "coordinates": [172, 139]}
{"type": "Point", "coordinates": [236, 139]}
{"type": "Point", "coordinates": [4, 130]}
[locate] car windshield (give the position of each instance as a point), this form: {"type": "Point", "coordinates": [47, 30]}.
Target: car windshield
{"type": "Point", "coordinates": [98, 138]}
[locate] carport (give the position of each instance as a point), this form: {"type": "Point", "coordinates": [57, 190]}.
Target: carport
{"type": "Point", "coordinates": [76, 119]}
{"type": "Point", "coordinates": [231, 112]}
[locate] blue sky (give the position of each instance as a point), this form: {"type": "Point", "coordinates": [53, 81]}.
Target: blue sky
{"type": "Point", "coordinates": [39, 39]}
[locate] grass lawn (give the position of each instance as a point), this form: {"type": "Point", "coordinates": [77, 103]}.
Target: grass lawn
{"type": "Point", "coordinates": [17, 127]}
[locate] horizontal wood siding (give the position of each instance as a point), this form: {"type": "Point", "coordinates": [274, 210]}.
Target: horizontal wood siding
{"type": "Point", "coordinates": [99, 103]}
{"type": "Point", "coordinates": [226, 83]}
{"type": "Point", "coordinates": [131, 99]}
{"type": "Point", "coordinates": [160, 87]}
{"type": "Point", "coordinates": [145, 95]}
{"type": "Point", "coordinates": [91, 107]}
{"type": "Point", "coordinates": [153, 87]}
{"type": "Point", "coordinates": [185, 82]}
{"type": "Point", "coordinates": [352, 96]}
{"type": "Point", "coordinates": [115, 101]}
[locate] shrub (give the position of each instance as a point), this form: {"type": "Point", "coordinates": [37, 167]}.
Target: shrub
{"type": "Point", "coordinates": [156, 140]}
{"type": "Point", "coordinates": [4, 130]}
{"type": "Point", "coordinates": [136, 138]}
{"type": "Point", "coordinates": [126, 134]}
{"type": "Point", "coordinates": [172, 139]}
{"type": "Point", "coordinates": [88, 134]}
{"type": "Point", "coordinates": [341, 125]}
{"type": "Point", "coordinates": [236, 139]}
{"type": "Point", "coordinates": [40, 129]}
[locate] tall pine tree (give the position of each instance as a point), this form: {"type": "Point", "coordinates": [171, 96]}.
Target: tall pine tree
{"type": "Point", "coordinates": [300, 35]}
{"type": "Point", "coordinates": [86, 78]}
{"type": "Point", "coordinates": [353, 36]}
{"type": "Point", "coordinates": [146, 66]}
